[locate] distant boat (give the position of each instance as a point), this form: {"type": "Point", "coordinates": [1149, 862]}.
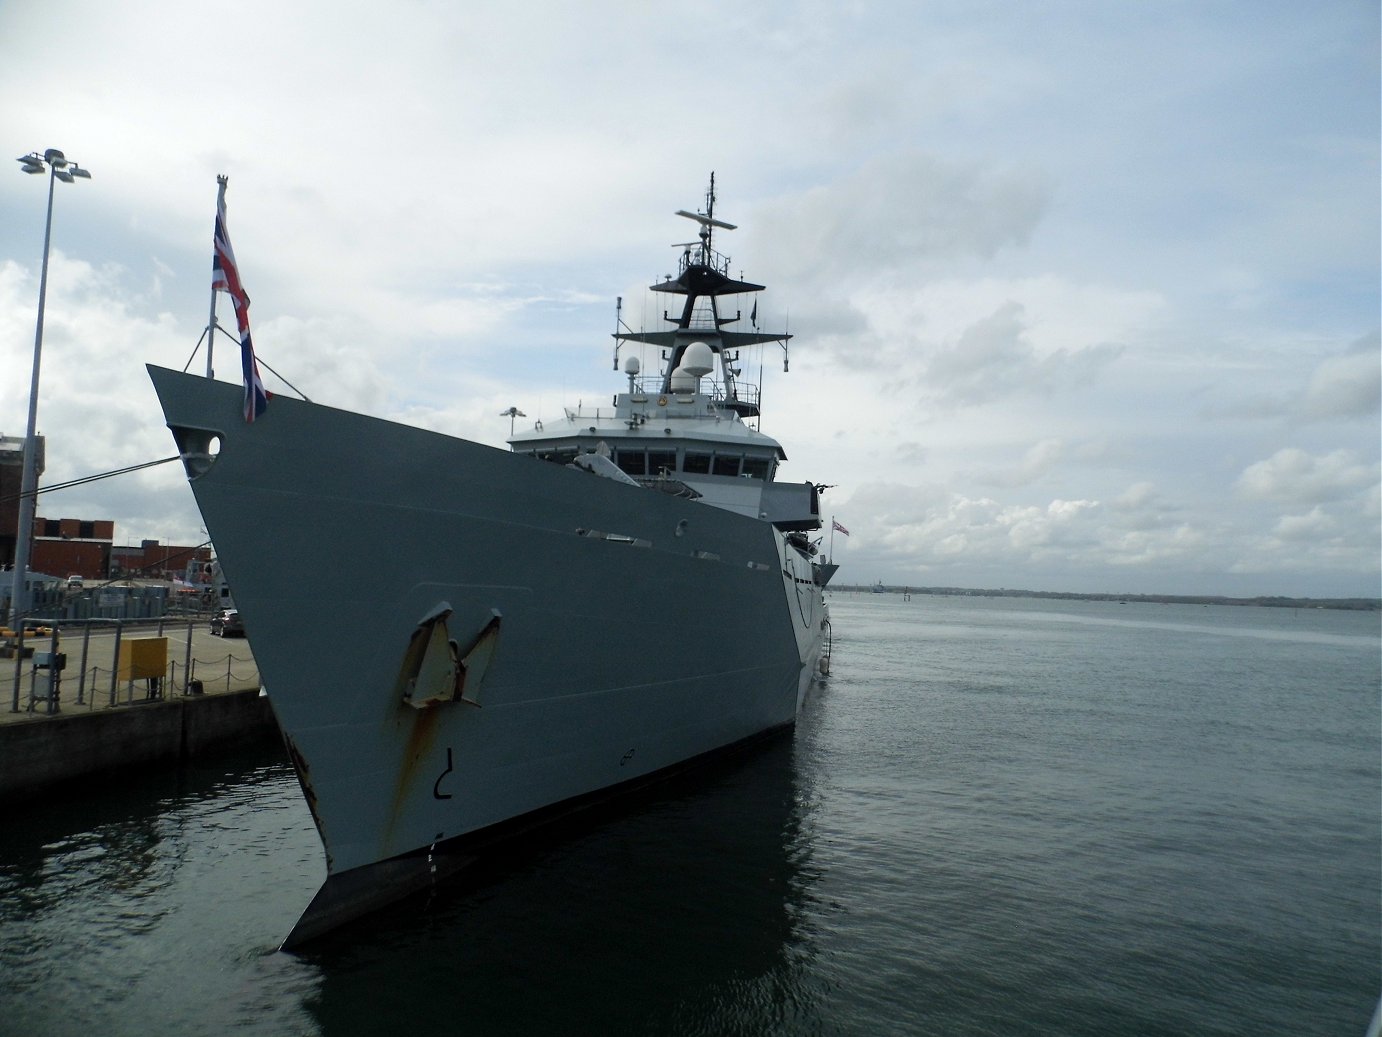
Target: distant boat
{"type": "Point", "coordinates": [627, 590]}
{"type": "Point", "coordinates": [878, 588]}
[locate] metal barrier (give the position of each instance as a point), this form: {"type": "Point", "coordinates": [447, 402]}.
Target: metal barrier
{"type": "Point", "coordinates": [47, 669]}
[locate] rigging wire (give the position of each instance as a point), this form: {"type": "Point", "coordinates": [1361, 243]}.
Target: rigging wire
{"type": "Point", "coordinates": [91, 478]}
{"type": "Point", "coordinates": [145, 571]}
{"type": "Point", "coordinates": [261, 361]}
{"type": "Point", "coordinates": [200, 340]}
{"type": "Point", "coordinates": [142, 570]}
{"type": "Point", "coordinates": [154, 566]}
{"type": "Point", "coordinates": [290, 385]}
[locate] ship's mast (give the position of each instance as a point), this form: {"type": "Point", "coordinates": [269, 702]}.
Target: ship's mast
{"type": "Point", "coordinates": [703, 275]}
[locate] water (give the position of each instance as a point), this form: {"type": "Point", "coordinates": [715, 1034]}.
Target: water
{"type": "Point", "coordinates": [1000, 816]}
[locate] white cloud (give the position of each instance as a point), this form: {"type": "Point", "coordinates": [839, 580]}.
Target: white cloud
{"type": "Point", "coordinates": [1137, 496]}
{"type": "Point", "coordinates": [1039, 459]}
{"type": "Point", "coordinates": [1311, 526]}
{"type": "Point", "coordinates": [1295, 476]}
{"type": "Point", "coordinates": [1347, 386]}
{"type": "Point", "coordinates": [1078, 302]}
{"type": "Point", "coordinates": [993, 358]}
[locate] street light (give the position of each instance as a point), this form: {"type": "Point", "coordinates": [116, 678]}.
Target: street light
{"type": "Point", "coordinates": [58, 169]}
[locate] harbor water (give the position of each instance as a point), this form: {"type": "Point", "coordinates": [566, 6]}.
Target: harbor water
{"type": "Point", "coordinates": [998, 816]}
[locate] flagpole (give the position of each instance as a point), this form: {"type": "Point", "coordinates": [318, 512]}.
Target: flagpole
{"type": "Point", "coordinates": [832, 538]}
{"type": "Point", "coordinates": [211, 320]}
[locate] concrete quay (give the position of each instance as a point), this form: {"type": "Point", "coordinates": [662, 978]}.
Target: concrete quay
{"type": "Point", "coordinates": [100, 724]}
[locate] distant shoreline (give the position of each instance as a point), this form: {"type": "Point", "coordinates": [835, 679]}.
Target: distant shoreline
{"type": "Point", "coordinates": [1351, 604]}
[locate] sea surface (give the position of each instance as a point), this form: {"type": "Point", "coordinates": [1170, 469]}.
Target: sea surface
{"type": "Point", "coordinates": [998, 816]}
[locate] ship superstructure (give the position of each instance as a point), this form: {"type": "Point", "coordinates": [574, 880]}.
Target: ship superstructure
{"type": "Point", "coordinates": [684, 428]}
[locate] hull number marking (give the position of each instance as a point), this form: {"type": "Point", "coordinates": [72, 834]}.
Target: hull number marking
{"type": "Point", "coordinates": [436, 785]}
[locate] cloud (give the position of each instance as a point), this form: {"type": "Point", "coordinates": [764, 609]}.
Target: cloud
{"type": "Point", "coordinates": [931, 531]}
{"type": "Point", "coordinates": [993, 358]}
{"type": "Point", "coordinates": [1294, 476]}
{"type": "Point", "coordinates": [1347, 386]}
{"type": "Point", "coordinates": [1313, 525]}
{"type": "Point", "coordinates": [932, 526]}
{"type": "Point", "coordinates": [1039, 459]}
{"type": "Point", "coordinates": [1255, 384]}
{"type": "Point", "coordinates": [906, 212]}
{"type": "Point", "coordinates": [1136, 497]}
{"type": "Point", "coordinates": [1028, 283]}
{"type": "Point", "coordinates": [1139, 541]}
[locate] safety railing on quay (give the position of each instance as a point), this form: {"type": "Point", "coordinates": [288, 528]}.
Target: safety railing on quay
{"type": "Point", "coordinates": [112, 662]}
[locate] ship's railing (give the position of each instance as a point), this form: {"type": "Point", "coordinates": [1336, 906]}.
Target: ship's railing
{"type": "Point", "coordinates": [744, 393]}
{"type": "Point", "coordinates": [699, 255]}
{"type": "Point", "coordinates": [715, 389]}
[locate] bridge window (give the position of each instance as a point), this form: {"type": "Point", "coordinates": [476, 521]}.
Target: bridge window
{"type": "Point", "coordinates": [660, 461]}
{"type": "Point", "coordinates": [632, 462]}
{"type": "Point", "coordinates": [756, 467]}
{"type": "Point", "coordinates": [727, 464]}
{"type": "Point", "coordinates": [696, 464]}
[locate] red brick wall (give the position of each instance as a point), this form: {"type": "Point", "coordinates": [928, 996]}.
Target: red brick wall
{"type": "Point", "coordinates": [62, 558]}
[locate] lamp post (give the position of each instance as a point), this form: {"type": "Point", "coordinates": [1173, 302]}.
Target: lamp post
{"type": "Point", "coordinates": [58, 169]}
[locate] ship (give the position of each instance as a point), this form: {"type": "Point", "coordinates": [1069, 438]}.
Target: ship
{"type": "Point", "coordinates": [626, 592]}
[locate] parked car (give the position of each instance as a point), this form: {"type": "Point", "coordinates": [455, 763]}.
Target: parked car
{"type": "Point", "coordinates": [226, 623]}
{"type": "Point", "coordinates": [74, 582]}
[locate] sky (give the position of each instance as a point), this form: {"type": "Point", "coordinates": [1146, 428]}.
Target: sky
{"type": "Point", "coordinates": [1084, 295]}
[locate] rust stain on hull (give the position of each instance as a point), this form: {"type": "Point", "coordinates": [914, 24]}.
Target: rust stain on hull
{"type": "Point", "coordinates": [304, 775]}
{"type": "Point", "coordinates": [432, 678]}
{"type": "Point", "coordinates": [422, 735]}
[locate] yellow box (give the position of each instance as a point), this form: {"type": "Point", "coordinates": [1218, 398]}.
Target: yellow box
{"type": "Point", "coordinates": [143, 657]}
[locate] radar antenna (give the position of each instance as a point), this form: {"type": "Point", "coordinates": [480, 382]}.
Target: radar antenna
{"type": "Point", "coordinates": [707, 219]}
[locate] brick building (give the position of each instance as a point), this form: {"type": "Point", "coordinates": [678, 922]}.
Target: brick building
{"type": "Point", "coordinates": [155, 560]}
{"type": "Point", "coordinates": [11, 481]}
{"type": "Point", "coordinates": [64, 547]}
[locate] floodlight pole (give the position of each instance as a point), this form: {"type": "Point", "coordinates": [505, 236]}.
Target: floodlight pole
{"type": "Point", "coordinates": [28, 487]}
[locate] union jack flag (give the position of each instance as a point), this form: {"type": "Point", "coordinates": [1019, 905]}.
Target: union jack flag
{"type": "Point", "coordinates": [836, 525]}
{"type": "Point", "coordinates": [225, 277]}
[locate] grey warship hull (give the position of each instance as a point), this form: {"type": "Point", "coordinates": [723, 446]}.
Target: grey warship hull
{"type": "Point", "coordinates": [456, 638]}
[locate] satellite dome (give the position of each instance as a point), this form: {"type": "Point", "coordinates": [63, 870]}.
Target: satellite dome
{"type": "Point", "coordinates": [698, 360]}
